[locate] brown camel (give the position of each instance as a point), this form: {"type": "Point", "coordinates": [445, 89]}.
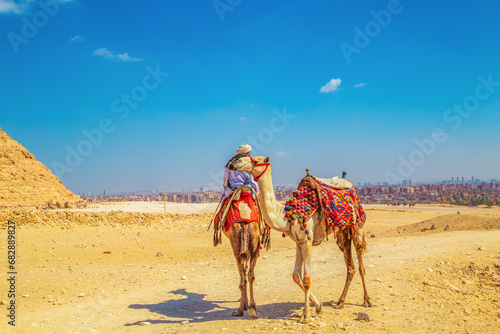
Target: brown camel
{"type": "Point", "coordinates": [245, 241]}
{"type": "Point", "coordinates": [312, 235]}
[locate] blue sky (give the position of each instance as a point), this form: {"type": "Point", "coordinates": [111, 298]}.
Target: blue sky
{"type": "Point", "coordinates": [169, 89]}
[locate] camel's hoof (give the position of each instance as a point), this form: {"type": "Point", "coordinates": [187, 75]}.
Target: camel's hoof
{"type": "Point", "coordinates": [238, 313]}
{"type": "Point", "coordinates": [245, 307]}
{"type": "Point", "coordinates": [319, 307]}
{"type": "Point", "coordinates": [367, 303]}
{"type": "Point", "coordinates": [252, 312]}
{"type": "Point", "coordinates": [304, 319]}
{"type": "Point", "coordinates": [338, 306]}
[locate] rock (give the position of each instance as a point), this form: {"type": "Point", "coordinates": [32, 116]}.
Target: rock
{"type": "Point", "coordinates": [378, 280]}
{"type": "Point", "coordinates": [159, 254]}
{"type": "Point", "coordinates": [430, 270]}
{"type": "Point", "coordinates": [433, 227]}
{"type": "Point", "coordinates": [466, 282]}
{"type": "Point", "coordinates": [184, 278]}
{"type": "Point", "coordinates": [454, 288]}
{"type": "Point", "coordinates": [487, 268]}
{"type": "Point", "coordinates": [57, 302]}
{"type": "Point", "coordinates": [447, 227]}
{"type": "Point", "coordinates": [81, 295]}
{"type": "Point", "coordinates": [107, 252]}
{"type": "Point", "coordinates": [372, 236]}
{"type": "Point", "coordinates": [497, 265]}
{"type": "Point", "coordinates": [144, 323]}
{"type": "Point", "coordinates": [25, 296]}
{"type": "Point", "coordinates": [185, 322]}
{"type": "Point", "coordinates": [364, 316]}
{"type": "Point", "coordinates": [424, 229]}
{"type": "Point", "coordinates": [4, 302]}
{"type": "Point", "coordinates": [264, 257]}
{"type": "Point", "coordinates": [480, 248]}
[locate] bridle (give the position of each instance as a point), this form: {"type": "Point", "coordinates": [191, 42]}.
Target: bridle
{"type": "Point", "coordinates": [267, 164]}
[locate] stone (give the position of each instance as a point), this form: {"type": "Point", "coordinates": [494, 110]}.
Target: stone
{"type": "Point", "coordinates": [4, 302]}
{"type": "Point", "coordinates": [363, 316]}
{"type": "Point", "coordinates": [57, 302]}
{"type": "Point", "coordinates": [107, 252]}
{"type": "Point", "coordinates": [433, 227]}
{"type": "Point", "coordinates": [454, 288]}
{"type": "Point", "coordinates": [430, 270]}
{"type": "Point", "coordinates": [159, 254]}
{"type": "Point", "coordinates": [447, 227]}
{"type": "Point", "coordinates": [81, 295]}
{"type": "Point", "coordinates": [184, 278]}
{"type": "Point", "coordinates": [480, 248]}
{"type": "Point", "coordinates": [144, 323]}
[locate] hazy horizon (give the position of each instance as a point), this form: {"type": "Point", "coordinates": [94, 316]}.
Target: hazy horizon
{"type": "Point", "coordinates": [160, 95]}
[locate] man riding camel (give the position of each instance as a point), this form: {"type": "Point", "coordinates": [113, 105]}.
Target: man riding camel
{"type": "Point", "coordinates": [235, 178]}
{"type": "Point", "coordinates": [240, 199]}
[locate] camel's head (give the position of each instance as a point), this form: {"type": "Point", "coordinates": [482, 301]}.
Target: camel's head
{"type": "Point", "coordinates": [256, 166]}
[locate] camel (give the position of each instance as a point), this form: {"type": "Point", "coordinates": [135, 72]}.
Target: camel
{"type": "Point", "coordinates": [313, 234]}
{"type": "Point", "coordinates": [244, 237]}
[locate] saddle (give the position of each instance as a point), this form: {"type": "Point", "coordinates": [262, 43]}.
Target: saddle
{"type": "Point", "coordinates": [334, 199]}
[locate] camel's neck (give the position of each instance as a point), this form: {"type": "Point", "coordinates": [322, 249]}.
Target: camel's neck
{"type": "Point", "coordinates": [272, 210]}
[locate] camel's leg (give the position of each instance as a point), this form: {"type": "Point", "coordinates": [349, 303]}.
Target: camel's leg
{"type": "Point", "coordinates": [243, 286]}
{"type": "Point", "coordinates": [254, 255]}
{"type": "Point", "coordinates": [297, 278]}
{"type": "Point", "coordinates": [306, 280]}
{"type": "Point", "coordinates": [345, 246]}
{"type": "Point", "coordinates": [360, 246]}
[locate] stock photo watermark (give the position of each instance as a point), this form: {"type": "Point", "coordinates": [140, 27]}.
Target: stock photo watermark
{"type": "Point", "coordinates": [121, 107]}
{"type": "Point", "coordinates": [223, 6]}
{"type": "Point", "coordinates": [45, 11]}
{"type": "Point", "coordinates": [364, 36]}
{"type": "Point", "coordinates": [265, 136]}
{"type": "Point", "coordinates": [454, 117]}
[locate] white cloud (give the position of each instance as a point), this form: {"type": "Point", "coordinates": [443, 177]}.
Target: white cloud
{"type": "Point", "coordinates": [243, 118]}
{"type": "Point", "coordinates": [282, 154]}
{"type": "Point", "coordinates": [108, 54]}
{"type": "Point", "coordinates": [77, 38]}
{"type": "Point", "coordinates": [21, 7]}
{"type": "Point", "coordinates": [331, 86]}
{"type": "Point", "coordinates": [361, 84]}
{"type": "Point", "coordinates": [12, 7]}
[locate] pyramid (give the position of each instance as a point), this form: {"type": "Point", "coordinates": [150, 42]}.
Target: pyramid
{"type": "Point", "coordinates": [26, 181]}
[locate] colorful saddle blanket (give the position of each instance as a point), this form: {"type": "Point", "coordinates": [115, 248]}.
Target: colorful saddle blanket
{"type": "Point", "coordinates": [339, 206]}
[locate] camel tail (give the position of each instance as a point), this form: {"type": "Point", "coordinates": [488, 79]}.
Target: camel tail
{"type": "Point", "coordinates": [360, 243]}
{"type": "Point", "coordinates": [364, 244]}
{"type": "Point", "coordinates": [245, 239]}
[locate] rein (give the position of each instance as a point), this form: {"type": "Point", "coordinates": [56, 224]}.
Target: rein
{"type": "Point", "coordinates": [267, 164]}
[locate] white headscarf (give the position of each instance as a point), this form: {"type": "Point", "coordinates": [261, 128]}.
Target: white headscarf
{"type": "Point", "coordinates": [244, 149]}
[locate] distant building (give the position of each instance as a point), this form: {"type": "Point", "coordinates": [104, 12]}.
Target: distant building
{"type": "Point", "coordinates": [105, 192]}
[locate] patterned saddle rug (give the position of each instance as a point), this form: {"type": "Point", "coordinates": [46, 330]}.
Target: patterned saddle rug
{"type": "Point", "coordinates": [340, 206]}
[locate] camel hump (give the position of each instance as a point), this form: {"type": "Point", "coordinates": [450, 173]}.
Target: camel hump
{"type": "Point", "coordinates": [336, 182]}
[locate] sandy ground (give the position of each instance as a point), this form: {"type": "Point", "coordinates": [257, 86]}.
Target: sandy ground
{"type": "Point", "coordinates": [111, 277]}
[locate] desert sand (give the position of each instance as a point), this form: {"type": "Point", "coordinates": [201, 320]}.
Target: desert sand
{"type": "Point", "coordinates": [109, 268]}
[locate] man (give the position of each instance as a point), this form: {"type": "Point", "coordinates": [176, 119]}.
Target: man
{"type": "Point", "coordinates": [236, 178]}
{"type": "Point", "coordinates": [239, 200]}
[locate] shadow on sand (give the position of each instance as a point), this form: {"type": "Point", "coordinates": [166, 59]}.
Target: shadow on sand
{"type": "Point", "coordinates": [196, 309]}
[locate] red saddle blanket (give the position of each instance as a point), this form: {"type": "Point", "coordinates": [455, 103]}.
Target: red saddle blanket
{"type": "Point", "coordinates": [337, 205]}
{"type": "Point", "coordinates": [233, 213]}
